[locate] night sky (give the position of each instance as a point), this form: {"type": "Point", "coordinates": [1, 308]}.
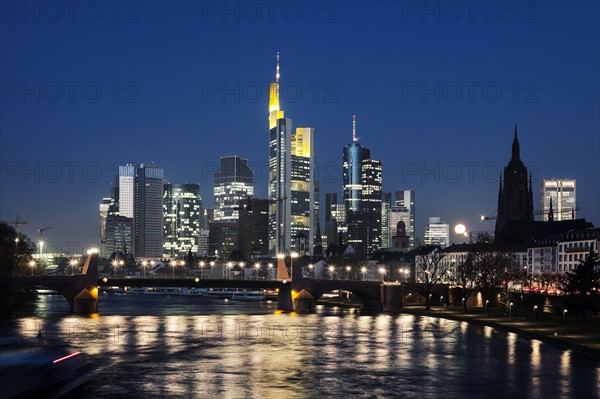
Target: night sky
{"type": "Point", "coordinates": [436, 93]}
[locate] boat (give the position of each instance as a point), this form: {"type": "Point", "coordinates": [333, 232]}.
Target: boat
{"type": "Point", "coordinates": [219, 293]}
{"type": "Point", "coordinates": [254, 295]}
{"type": "Point", "coordinates": [193, 291]}
{"type": "Point", "coordinates": [40, 370]}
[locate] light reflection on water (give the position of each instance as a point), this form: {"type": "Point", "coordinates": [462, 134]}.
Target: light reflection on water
{"type": "Point", "coordinates": [195, 347]}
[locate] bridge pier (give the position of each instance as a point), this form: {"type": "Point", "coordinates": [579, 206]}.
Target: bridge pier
{"type": "Point", "coordinates": [392, 297]}
{"type": "Point", "coordinates": [284, 299]}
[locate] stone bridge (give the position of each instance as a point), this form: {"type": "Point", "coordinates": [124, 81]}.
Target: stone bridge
{"type": "Point", "coordinates": [80, 290]}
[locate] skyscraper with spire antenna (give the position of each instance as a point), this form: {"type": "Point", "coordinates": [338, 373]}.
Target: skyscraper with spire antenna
{"type": "Point", "coordinates": [515, 195]}
{"type": "Point", "coordinates": [291, 178]}
{"type": "Point", "coordinates": [362, 183]}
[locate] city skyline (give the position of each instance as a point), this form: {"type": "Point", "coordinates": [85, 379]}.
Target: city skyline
{"type": "Point", "coordinates": [446, 155]}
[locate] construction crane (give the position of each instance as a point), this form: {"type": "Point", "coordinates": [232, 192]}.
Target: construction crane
{"type": "Point", "coordinates": [535, 213]}
{"type": "Point", "coordinates": [17, 223]}
{"type": "Point", "coordinates": [41, 235]}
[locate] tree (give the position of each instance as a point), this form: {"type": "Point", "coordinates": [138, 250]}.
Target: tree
{"type": "Point", "coordinates": [493, 270]}
{"type": "Point", "coordinates": [463, 277]}
{"type": "Point", "coordinates": [15, 255]}
{"type": "Point", "coordinates": [583, 283]}
{"type": "Point", "coordinates": [430, 270]}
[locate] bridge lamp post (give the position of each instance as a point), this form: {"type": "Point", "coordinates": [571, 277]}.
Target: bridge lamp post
{"type": "Point", "coordinates": [382, 271]}
{"type": "Point", "coordinates": [152, 264]}
{"type": "Point", "coordinates": [310, 268]}
{"type": "Point", "coordinates": [348, 268]}
{"type": "Point", "coordinates": [173, 264]}
{"type": "Point", "coordinates": [229, 266]}
{"type": "Point", "coordinates": [257, 266]}
{"type": "Point", "coordinates": [115, 265]}
{"type": "Point", "coordinates": [270, 266]}
{"type": "Point", "coordinates": [32, 265]}
{"type": "Point", "coordinates": [73, 262]}
{"type": "Point", "coordinates": [363, 270]}
{"type": "Point", "coordinates": [182, 267]}
{"type": "Point", "coordinates": [201, 269]}
{"type": "Point", "coordinates": [331, 269]}
{"type": "Point", "coordinates": [293, 255]}
{"type": "Point", "coordinates": [212, 263]}
{"type": "Point", "coordinates": [144, 264]}
{"type": "Point", "coordinates": [121, 263]}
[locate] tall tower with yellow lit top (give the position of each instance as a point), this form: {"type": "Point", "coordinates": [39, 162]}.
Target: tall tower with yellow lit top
{"type": "Point", "coordinates": [291, 180]}
{"type": "Point", "coordinates": [280, 143]}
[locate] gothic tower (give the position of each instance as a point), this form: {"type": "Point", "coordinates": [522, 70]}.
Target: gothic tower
{"type": "Point", "coordinates": [515, 196]}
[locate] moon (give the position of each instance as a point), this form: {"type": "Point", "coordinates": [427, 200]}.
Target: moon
{"type": "Point", "coordinates": [460, 229]}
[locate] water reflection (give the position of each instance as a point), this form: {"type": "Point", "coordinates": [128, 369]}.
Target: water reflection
{"type": "Point", "coordinates": [217, 349]}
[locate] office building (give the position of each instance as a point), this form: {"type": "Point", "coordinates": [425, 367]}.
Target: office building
{"type": "Point", "coordinates": [561, 196]}
{"type": "Point", "coordinates": [437, 233]}
{"type": "Point", "coordinates": [182, 213]}
{"type": "Point", "coordinates": [138, 195]}
{"type": "Point", "coordinates": [362, 182]}
{"type": "Point", "coordinates": [291, 177]}
{"type": "Point", "coordinates": [254, 228]}
{"type": "Point", "coordinates": [234, 182]}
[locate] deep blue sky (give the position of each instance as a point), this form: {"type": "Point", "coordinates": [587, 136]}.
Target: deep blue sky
{"type": "Point", "coordinates": [378, 60]}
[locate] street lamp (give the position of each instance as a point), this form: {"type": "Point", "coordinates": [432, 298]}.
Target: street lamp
{"type": "Point", "coordinates": [270, 266]}
{"type": "Point", "coordinates": [73, 262]}
{"type": "Point", "coordinates": [212, 263]}
{"type": "Point", "coordinates": [32, 265]}
{"type": "Point", "coordinates": [510, 310]}
{"type": "Point", "coordinates": [311, 267]}
{"type": "Point", "coordinates": [363, 270]}
{"type": "Point", "coordinates": [348, 268]}
{"type": "Point", "coordinates": [564, 314]}
{"type": "Point", "coordinates": [382, 271]}
{"type": "Point", "coordinates": [534, 311]}
{"type": "Point", "coordinates": [173, 264]}
{"type": "Point", "coordinates": [331, 269]}
{"type": "Point", "coordinates": [229, 266]}
{"type": "Point", "coordinates": [257, 266]}
{"type": "Point", "coordinates": [442, 300]}
{"type": "Point", "coordinates": [115, 265]}
{"type": "Point", "coordinates": [293, 255]}
{"type": "Point", "coordinates": [201, 269]}
{"type": "Point", "coordinates": [144, 264]}
{"type": "Point", "coordinates": [487, 302]}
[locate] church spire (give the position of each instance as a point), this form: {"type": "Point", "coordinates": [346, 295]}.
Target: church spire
{"type": "Point", "coordinates": [516, 152]}
{"type": "Point", "coordinates": [551, 212]}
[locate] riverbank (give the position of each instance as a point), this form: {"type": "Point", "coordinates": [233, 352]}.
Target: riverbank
{"type": "Point", "coordinates": [567, 332]}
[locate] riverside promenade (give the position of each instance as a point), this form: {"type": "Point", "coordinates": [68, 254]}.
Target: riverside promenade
{"type": "Point", "coordinates": [569, 332]}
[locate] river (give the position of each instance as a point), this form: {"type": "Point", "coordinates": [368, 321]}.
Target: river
{"type": "Point", "coordinates": [173, 346]}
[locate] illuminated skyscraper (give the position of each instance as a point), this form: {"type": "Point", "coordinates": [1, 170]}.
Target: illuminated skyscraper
{"type": "Point", "coordinates": [234, 182]}
{"type": "Point", "coordinates": [182, 213]}
{"type": "Point", "coordinates": [291, 177]}
{"type": "Point", "coordinates": [437, 233]}
{"type": "Point", "coordinates": [362, 182]}
{"type": "Point", "coordinates": [137, 195]}
{"type": "Point", "coordinates": [562, 195]}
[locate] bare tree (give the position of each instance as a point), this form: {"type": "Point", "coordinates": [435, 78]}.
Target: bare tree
{"type": "Point", "coordinates": [430, 270]}
{"type": "Point", "coordinates": [463, 276]}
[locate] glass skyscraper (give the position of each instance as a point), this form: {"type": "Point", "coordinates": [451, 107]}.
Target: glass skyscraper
{"type": "Point", "coordinates": [291, 178]}
{"type": "Point", "coordinates": [562, 193]}
{"type": "Point", "coordinates": [234, 182]}
{"type": "Point", "coordinates": [362, 183]}
{"type": "Point", "coordinates": [182, 213]}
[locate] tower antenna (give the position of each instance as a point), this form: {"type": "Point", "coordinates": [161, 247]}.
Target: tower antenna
{"type": "Point", "coordinates": [354, 139]}
{"type": "Point", "coordinates": [277, 72]}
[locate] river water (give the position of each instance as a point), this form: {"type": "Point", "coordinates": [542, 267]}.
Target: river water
{"type": "Point", "coordinates": [173, 346]}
